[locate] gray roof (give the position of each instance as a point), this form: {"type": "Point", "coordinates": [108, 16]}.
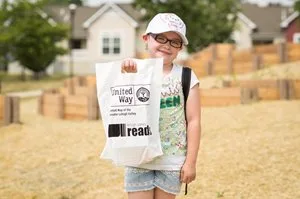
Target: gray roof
{"type": "Point", "coordinates": [267, 19]}
{"type": "Point", "coordinates": [61, 14]}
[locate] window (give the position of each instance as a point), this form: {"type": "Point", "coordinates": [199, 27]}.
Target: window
{"type": "Point", "coordinates": [296, 38]}
{"type": "Point", "coordinates": [111, 45]}
{"type": "Point", "coordinates": [78, 43]}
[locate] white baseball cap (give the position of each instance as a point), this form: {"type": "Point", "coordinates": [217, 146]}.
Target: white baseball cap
{"type": "Point", "coordinates": [165, 22]}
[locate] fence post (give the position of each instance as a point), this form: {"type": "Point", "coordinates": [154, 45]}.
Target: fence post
{"type": "Point", "coordinates": [15, 109]}
{"type": "Point", "coordinates": [214, 52]}
{"type": "Point", "coordinates": [292, 89]}
{"type": "Point", "coordinates": [230, 62]}
{"type": "Point", "coordinates": [61, 106]}
{"type": "Point", "coordinates": [92, 107]}
{"type": "Point", "coordinates": [285, 89]}
{"type": "Point", "coordinates": [248, 95]}
{"type": "Point", "coordinates": [40, 104]}
{"type": "Point", "coordinates": [257, 62]}
{"type": "Point", "coordinates": [209, 67]}
{"type": "Point", "coordinates": [282, 52]}
{"type": "Point", "coordinates": [7, 110]}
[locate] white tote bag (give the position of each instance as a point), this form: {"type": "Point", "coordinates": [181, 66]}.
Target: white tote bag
{"type": "Point", "coordinates": [130, 105]}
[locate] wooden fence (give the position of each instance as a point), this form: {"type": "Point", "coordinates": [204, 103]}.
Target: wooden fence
{"type": "Point", "coordinates": [225, 96]}
{"type": "Point", "coordinates": [76, 100]}
{"type": "Point", "coordinates": [9, 110]}
{"type": "Point", "coordinates": [221, 59]}
{"type": "Point", "coordinates": [248, 91]}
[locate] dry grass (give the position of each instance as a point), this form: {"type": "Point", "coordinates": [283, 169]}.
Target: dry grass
{"type": "Point", "coordinates": [247, 152]}
{"type": "Point", "coordinates": [280, 71]}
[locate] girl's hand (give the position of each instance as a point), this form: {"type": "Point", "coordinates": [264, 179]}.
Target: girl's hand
{"type": "Point", "coordinates": [188, 173]}
{"type": "Point", "coordinates": [128, 66]}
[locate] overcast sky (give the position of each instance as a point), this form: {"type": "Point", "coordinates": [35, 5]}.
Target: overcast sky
{"type": "Point", "coordinates": [97, 2]}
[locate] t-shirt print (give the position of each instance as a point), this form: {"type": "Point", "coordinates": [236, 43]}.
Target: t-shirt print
{"type": "Point", "coordinates": [172, 119]}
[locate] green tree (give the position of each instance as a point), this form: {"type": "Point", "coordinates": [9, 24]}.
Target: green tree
{"type": "Point", "coordinates": [207, 21]}
{"type": "Point", "coordinates": [66, 2]}
{"type": "Point", "coordinates": [34, 38]}
{"type": "Point", "coordinates": [4, 36]}
{"type": "Point", "coordinates": [297, 5]}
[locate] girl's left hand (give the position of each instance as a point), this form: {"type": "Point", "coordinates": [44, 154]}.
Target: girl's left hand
{"type": "Point", "coordinates": [188, 173]}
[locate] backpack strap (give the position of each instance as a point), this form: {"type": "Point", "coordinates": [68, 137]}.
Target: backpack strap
{"type": "Point", "coordinates": [185, 81]}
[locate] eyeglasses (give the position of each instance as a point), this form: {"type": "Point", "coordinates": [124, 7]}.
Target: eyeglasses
{"type": "Point", "coordinates": [163, 40]}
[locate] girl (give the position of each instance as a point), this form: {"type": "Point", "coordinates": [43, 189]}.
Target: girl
{"type": "Point", "coordinates": [180, 137]}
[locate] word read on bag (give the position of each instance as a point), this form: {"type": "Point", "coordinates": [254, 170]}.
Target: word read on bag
{"type": "Point", "coordinates": [130, 105]}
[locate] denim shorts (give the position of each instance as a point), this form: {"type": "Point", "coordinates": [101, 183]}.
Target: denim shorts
{"type": "Point", "coordinates": [138, 179]}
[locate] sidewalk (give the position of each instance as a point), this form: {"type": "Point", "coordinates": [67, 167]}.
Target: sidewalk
{"type": "Point", "coordinates": [25, 94]}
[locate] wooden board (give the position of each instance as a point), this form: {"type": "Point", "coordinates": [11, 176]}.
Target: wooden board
{"type": "Point", "coordinates": [76, 100]}
{"type": "Point", "coordinates": [268, 94]}
{"type": "Point", "coordinates": [84, 90]}
{"type": "Point", "coordinates": [1, 107]}
{"type": "Point", "coordinates": [296, 87]}
{"type": "Point", "coordinates": [264, 49]}
{"type": "Point", "coordinates": [242, 67]}
{"type": "Point", "coordinates": [255, 83]}
{"type": "Point", "coordinates": [220, 96]}
{"type": "Point", "coordinates": [90, 80]}
{"type": "Point", "coordinates": [270, 59]}
{"type": "Point", "coordinates": [221, 92]}
{"type": "Point", "coordinates": [242, 56]}
{"type": "Point", "coordinates": [52, 105]}
{"type": "Point", "coordinates": [219, 101]}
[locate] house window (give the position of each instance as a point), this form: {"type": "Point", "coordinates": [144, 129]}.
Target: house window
{"type": "Point", "coordinates": [78, 43]}
{"type": "Point", "coordinates": [296, 38]}
{"type": "Point", "coordinates": [111, 45]}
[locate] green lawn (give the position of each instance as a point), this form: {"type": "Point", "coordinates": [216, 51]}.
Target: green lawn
{"type": "Point", "coordinates": [13, 83]}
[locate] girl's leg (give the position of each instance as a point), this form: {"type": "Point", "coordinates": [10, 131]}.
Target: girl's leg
{"type": "Point", "coordinates": [160, 194]}
{"type": "Point", "coordinates": [141, 194]}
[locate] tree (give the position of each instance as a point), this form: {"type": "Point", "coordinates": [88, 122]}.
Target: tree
{"type": "Point", "coordinates": [33, 37]}
{"type": "Point", "coordinates": [4, 36]}
{"type": "Point", "coordinates": [297, 5]}
{"type": "Point", "coordinates": [66, 2]}
{"type": "Point", "coordinates": [207, 21]}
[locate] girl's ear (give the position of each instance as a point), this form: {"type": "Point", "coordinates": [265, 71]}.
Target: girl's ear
{"type": "Point", "coordinates": [145, 38]}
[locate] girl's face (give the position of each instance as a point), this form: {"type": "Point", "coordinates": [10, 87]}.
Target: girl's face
{"type": "Point", "coordinates": [164, 45]}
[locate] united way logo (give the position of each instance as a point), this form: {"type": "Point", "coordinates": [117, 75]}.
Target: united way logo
{"type": "Point", "coordinates": [143, 94]}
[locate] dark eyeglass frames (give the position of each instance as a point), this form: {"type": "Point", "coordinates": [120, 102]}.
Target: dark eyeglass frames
{"type": "Point", "coordinates": [163, 40]}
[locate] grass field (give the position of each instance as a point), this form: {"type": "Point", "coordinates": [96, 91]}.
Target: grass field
{"type": "Point", "coordinates": [247, 152]}
{"type": "Point", "coordinates": [12, 83]}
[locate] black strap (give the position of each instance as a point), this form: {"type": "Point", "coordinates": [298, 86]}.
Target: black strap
{"type": "Point", "coordinates": [186, 81]}
{"type": "Point", "coordinates": [186, 188]}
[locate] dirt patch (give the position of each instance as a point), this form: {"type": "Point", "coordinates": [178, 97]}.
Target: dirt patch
{"type": "Point", "coordinates": [247, 151]}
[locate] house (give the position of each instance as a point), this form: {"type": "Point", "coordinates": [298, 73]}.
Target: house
{"type": "Point", "coordinates": [291, 27]}
{"type": "Point", "coordinates": [105, 33]}
{"type": "Point", "coordinates": [114, 31]}
{"type": "Point", "coordinates": [100, 34]}
{"type": "Point", "coordinates": [260, 24]}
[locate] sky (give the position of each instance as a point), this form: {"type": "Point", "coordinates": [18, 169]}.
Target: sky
{"type": "Point", "coordinates": [284, 2]}
{"type": "Point", "coordinates": [97, 2]}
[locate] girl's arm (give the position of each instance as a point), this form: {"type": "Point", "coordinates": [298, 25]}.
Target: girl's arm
{"type": "Point", "coordinates": [193, 113]}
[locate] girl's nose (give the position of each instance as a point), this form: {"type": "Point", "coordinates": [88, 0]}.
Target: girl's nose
{"type": "Point", "coordinates": [167, 45]}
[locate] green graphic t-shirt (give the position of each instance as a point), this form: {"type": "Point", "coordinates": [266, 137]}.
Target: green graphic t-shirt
{"type": "Point", "coordinates": [172, 125]}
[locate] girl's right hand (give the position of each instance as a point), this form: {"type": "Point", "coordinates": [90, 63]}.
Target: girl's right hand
{"type": "Point", "coordinates": [128, 66]}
